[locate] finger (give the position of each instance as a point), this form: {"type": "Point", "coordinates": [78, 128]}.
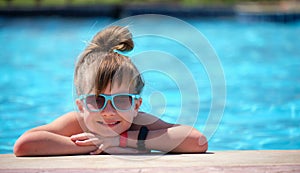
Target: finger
{"type": "Point", "coordinates": [98, 151]}
{"type": "Point", "coordinates": [79, 137]}
{"type": "Point", "coordinates": [89, 142]}
{"type": "Point", "coordinates": [105, 146]}
{"type": "Point", "coordinates": [82, 136]}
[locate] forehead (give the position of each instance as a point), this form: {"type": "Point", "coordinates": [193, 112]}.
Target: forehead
{"type": "Point", "coordinates": [116, 89]}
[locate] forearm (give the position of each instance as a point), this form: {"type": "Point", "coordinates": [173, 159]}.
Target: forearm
{"type": "Point", "coordinates": [47, 143]}
{"type": "Point", "coordinates": [182, 139]}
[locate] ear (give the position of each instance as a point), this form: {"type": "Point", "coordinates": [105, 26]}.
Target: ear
{"type": "Point", "coordinates": [138, 104]}
{"type": "Point", "coordinates": [79, 104]}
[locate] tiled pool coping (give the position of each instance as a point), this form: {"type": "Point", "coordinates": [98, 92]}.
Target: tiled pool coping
{"type": "Point", "coordinates": [220, 161]}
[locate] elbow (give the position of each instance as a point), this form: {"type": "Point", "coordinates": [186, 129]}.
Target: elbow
{"type": "Point", "coordinates": [203, 144]}
{"type": "Point", "coordinates": [194, 143]}
{"type": "Point", "coordinates": [198, 142]}
{"type": "Point", "coordinates": [22, 146]}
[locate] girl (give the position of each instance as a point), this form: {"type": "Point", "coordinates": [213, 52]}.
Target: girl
{"type": "Point", "coordinates": [108, 120]}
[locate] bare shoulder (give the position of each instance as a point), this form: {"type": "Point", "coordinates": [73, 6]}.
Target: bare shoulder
{"type": "Point", "coordinates": [151, 121]}
{"type": "Point", "coordinates": [67, 125]}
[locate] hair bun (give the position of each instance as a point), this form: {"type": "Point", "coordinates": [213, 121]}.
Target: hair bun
{"type": "Point", "coordinates": [112, 38]}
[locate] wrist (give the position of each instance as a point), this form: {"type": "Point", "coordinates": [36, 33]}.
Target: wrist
{"type": "Point", "coordinates": [132, 139]}
{"type": "Point", "coordinates": [142, 136]}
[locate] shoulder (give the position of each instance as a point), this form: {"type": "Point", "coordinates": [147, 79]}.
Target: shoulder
{"type": "Point", "coordinates": [71, 120]}
{"type": "Point", "coordinates": [67, 125]}
{"type": "Point", "coordinates": [150, 121]}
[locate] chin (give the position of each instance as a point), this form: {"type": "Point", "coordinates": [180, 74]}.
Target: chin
{"type": "Point", "coordinates": [108, 133]}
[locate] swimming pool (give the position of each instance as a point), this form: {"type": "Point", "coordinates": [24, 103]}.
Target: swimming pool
{"type": "Point", "coordinates": [260, 61]}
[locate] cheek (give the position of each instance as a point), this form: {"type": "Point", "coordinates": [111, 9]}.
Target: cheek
{"type": "Point", "coordinates": [89, 119]}
{"type": "Point", "coordinates": [128, 116]}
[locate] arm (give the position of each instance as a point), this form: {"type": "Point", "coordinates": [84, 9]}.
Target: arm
{"type": "Point", "coordinates": [52, 139]}
{"type": "Point", "coordinates": [168, 137]}
{"type": "Point", "coordinates": [162, 136]}
{"type": "Point", "coordinates": [179, 139]}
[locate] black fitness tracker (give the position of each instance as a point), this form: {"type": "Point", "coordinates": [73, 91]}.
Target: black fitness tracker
{"type": "Point", "coordinates": [141, 138]}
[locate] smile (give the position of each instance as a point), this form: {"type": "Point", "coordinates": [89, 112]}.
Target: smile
{"type": "Point", "coordinates": [110, 124]}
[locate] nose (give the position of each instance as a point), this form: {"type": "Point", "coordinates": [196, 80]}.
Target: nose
{"type": "Point", "coordinates": [108, 110]}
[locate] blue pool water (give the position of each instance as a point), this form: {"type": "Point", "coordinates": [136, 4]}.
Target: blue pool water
{"type": "Point", "coordinates": [261, 63]}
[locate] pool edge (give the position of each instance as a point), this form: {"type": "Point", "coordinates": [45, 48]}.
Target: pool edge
{"type": "Point", "coordinates": [224, 161]}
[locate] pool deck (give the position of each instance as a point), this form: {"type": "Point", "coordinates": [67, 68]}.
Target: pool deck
{"type": "Point", "coordinates": [220, 161]}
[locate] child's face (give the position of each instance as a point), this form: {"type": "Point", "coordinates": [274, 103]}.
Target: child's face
{"type": "Point", "coordinates": [109, 121]}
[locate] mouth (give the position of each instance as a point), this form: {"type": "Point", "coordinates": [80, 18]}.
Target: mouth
{"type": "Point", "coordinates": [109, 124]}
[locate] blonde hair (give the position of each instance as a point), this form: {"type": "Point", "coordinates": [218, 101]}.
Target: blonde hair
{"type": "Point", "coordinates": [99, 65]}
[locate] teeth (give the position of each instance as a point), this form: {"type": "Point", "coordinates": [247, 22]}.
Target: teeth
{"type": "Point", "coordinates": [113, 123]}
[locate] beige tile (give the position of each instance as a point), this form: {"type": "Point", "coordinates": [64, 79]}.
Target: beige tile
{"type": "Point", "coordinates": [221, 161]}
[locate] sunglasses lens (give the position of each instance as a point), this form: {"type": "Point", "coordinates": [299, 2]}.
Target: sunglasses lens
{"type": "Point", "coordinates": [95, 103]}
{"type": "Point", "coordinates": [123, 102]}
{"type": "Point", "coordinates": [120, 102]}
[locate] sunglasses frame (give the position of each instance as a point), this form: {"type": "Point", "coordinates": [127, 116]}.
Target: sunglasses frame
{"type": "Point", "coordinates": [110, 97]}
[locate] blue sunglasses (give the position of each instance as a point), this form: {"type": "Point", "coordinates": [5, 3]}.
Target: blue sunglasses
{"type": "Point", "coordinates": [120, 102]}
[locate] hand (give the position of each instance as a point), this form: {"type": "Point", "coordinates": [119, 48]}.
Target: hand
{"type": "Point", "coordinates": [90, 139]}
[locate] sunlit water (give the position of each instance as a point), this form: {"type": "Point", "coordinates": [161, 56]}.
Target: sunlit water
{"type": "Point", "coordinates": [261, 63]}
